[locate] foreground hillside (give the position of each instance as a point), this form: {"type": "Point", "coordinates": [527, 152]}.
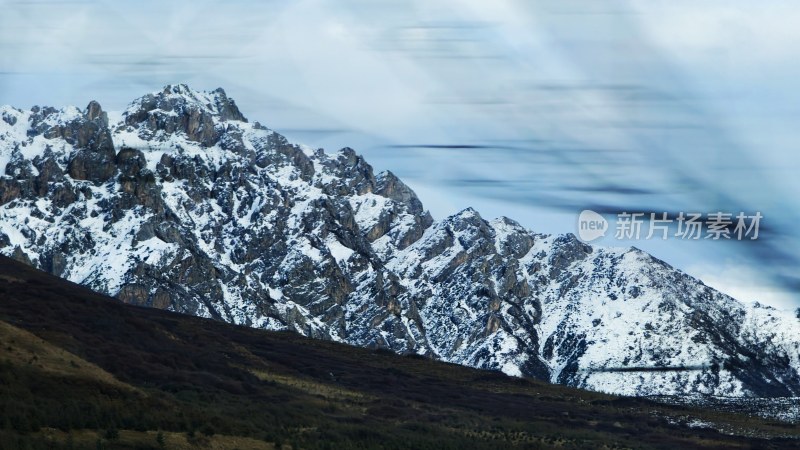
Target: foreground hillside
{"type": "Point", "coordinates": [79, 370]}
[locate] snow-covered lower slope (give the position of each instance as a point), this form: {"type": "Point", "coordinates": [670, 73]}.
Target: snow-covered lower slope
{"type": "Point", "coordinates": [184, 204]}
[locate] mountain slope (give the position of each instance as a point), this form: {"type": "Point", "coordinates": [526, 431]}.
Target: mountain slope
{"type": "Point", "coordinates": [133, 371]}
{"type": "Point", "coordinates": [183, 204]}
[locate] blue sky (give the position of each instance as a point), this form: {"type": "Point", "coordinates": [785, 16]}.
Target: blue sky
{"type": "Point", "coordinates": [530, 109]}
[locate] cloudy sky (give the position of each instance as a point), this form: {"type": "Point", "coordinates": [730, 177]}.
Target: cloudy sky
{"type": "Point", "coordinates": [533, 109]}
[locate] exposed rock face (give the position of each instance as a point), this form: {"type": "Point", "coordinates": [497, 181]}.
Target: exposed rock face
{"type": "Point", "coordinates": [185, 205]}
{"type": "Point", "coordinates": [20, 256]}
{"type": "Point", "coordinates": [87, 132]}
{"type": "Point", "coordinates": [179, 109]}
{"type": "Point", "coordinates": [388, 185]}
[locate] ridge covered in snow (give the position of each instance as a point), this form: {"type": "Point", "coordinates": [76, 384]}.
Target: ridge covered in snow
{"type": "Point", "coordinates": [181, 203]}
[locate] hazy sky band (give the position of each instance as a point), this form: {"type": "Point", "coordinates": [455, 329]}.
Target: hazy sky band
{"type": "Point", "coordinates": [531, 109]}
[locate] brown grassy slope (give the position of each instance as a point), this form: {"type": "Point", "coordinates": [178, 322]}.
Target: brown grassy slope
{"type": "Point", "coordinates": [141, 370]}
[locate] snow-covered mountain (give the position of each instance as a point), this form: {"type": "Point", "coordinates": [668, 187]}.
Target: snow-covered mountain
{"type": "Point", "coordinates": [183, 204]}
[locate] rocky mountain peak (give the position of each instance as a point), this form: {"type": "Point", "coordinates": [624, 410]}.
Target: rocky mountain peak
{"type": "Point", "coordinates": [468, 220]}
{"type": "Point", "coordinates": [388, 185]}
{"type": "Point", "coordinates": [94, 112]}
{"type": "Point", "coordinates": [179, 109]}
{"type": "Point", "coordinates": [511, 238]}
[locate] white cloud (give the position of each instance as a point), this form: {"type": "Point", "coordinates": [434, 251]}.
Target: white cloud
{"type": "Point", "coordinates": [744, 284]}
{"type": "Point", "coordinates": [735, 33]}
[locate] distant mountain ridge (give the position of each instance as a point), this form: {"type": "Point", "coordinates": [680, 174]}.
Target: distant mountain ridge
{"type": "Point", "coordinates": [183, 204]}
